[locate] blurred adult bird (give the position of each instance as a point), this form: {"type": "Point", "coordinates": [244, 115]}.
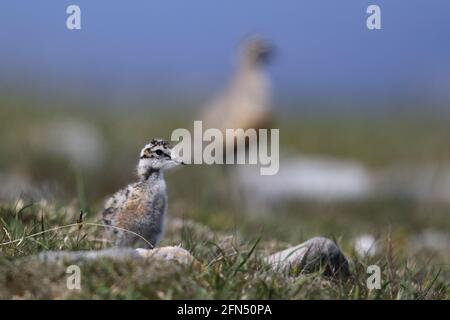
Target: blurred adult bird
{"type": "Point", "coordinates": [246, 101]}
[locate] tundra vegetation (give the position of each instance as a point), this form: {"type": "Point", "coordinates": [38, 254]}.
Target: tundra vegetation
{"type": "Point", "coordinates": [228, 242]}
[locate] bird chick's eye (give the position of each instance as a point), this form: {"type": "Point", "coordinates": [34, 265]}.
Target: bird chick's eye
{"type": "Point", "coordinates": [159, 152]}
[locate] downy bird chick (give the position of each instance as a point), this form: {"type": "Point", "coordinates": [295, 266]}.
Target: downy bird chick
{"type": "Point", "coordinates": [137, 212]}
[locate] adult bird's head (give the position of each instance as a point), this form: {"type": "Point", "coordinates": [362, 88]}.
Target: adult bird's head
{"type": "Point", "coordinates": [256, 50]}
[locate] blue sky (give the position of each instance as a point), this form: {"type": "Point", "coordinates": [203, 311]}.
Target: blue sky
{"type": "Point", "coordinates": [183, 47]}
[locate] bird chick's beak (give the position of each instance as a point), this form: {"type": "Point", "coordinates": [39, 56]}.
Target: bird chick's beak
{"type": "Point", "coordinates": [178, 160]}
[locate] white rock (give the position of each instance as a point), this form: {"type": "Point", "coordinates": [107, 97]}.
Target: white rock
{"type": "Point", "coordinates": [307, 178]}
{"type": "Point", "coordinates": [431, 240]}
{"type": "Point", "coordinates": [78, 141]}
{"type": "Point", "coordinates": [174, 254]}
{"type": "Point", "coordinates": [365, 245]}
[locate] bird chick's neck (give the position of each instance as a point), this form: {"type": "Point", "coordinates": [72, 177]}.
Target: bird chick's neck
{"type": "Point", "coordinates": [151, 175]}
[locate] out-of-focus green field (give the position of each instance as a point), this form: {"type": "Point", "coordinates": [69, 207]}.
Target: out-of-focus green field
{"type": "Point", "coordinates": [201, 194]}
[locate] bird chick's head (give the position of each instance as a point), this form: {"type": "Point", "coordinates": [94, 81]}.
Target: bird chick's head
{"type": "Point", "coordinates": [256, 50]}
{"type": "Point", "coordinates": [156, 156]}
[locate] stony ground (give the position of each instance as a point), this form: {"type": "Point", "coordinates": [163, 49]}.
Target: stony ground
{"type": "Point", "coordinates": [228, 267]}
{"type": "Point", "coordinates": [229, 240]}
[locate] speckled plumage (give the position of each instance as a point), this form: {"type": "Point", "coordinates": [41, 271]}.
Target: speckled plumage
{"type": "Point", "coordinates": [141, 207]}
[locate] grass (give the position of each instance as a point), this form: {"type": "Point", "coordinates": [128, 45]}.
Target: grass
{"type": "Point", "coordinates": [218, 233]}
{"type": "Point", "coordinates": [228, 271]}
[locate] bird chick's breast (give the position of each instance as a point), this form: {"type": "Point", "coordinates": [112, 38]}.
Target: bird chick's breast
{"type": "Point", "coordinates": [145, 205]}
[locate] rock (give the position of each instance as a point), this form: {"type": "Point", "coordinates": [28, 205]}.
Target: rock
{"type": "Point", "coordinates": [87, 255]}
{"type": "Point", "coordinates": [80, 142]}
{"type": "Point", "coordinates": [310, 256]}
{"type": "Point", "coordinates": [432, 240]}
{"type": "Point", "coordinates": [17, 186]}
{"type": "Point", "coordinates": [365, 245]}
{"type": "Point", "coordinates": [228, 245]}
{"type": "Point", "coordinates": [426, 183]}
{"type": "Point", "coordinates": [307, 177]}
{"type": "Point", "coordinates": [177, 254]}
{"type": "Point", "coordinates": [171, 254]}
